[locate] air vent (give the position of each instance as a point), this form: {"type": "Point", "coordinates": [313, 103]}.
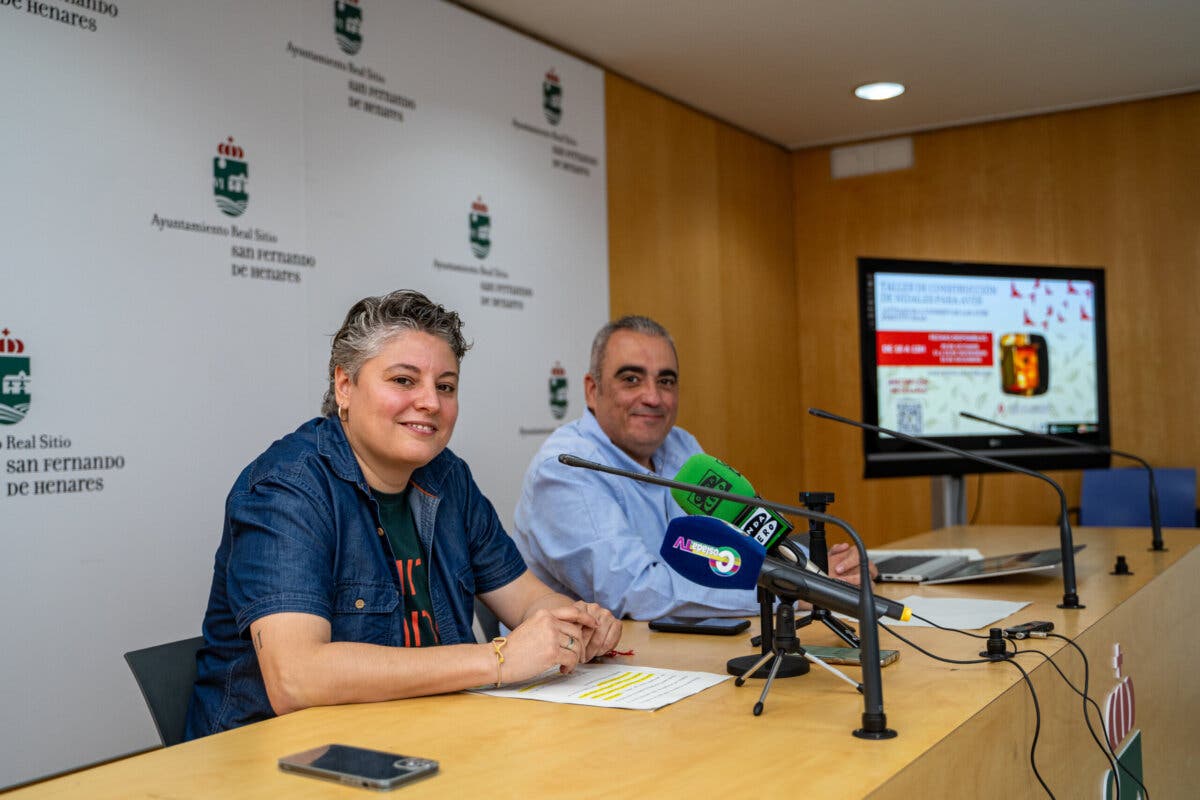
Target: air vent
{"type": "Point", "coordinates": [867, 159]}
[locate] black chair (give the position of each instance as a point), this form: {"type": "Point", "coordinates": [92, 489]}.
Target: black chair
{"type": "Point", "coordinates": [166, 673]}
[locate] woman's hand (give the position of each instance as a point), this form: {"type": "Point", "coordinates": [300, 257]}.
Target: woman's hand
{"type": "Point", "coordinates": [603, 635]}
{"type": "Point", "coordinates": [549, 637]}
{"type": "Point", "coordinates": [550, 628]}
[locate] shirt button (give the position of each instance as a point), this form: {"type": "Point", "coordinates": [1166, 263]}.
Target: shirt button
{"type": "Point", "coordinates": [359, 603]}
{"type": "Point", "coordinates": [379, 531]}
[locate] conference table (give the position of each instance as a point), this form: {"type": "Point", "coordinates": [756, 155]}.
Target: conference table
{"type": "Point", "coordinates": [964, 730]}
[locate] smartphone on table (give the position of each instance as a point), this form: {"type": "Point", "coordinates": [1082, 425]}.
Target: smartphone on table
{"type": "Point", "coordinates": [358, 766]}
{"type": "Point", "coordinates": [719, 626]}
{"type": "Point", "coordinates": [850, 656]}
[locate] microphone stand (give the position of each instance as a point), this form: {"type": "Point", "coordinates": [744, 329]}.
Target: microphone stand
{"type": "Point", "coordinates": [818, 553]}
{"type": "Point", "coordinates": [1070, 596]}
{"type": "Point", "coordinates": [783, 648]}
{"type": "Point", "coordinates": [1156, 538]}
{"type": "Point", "coordinates": [874, 720]}
{"type": "Point", "coordinates": [787, 665]}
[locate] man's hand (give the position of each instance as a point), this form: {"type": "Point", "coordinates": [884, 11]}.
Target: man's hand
{"type": "Point", "coordinates": [843, 563]}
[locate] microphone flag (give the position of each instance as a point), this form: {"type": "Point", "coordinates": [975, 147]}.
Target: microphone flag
{"type": "Point", "coordinates": [711, 552]}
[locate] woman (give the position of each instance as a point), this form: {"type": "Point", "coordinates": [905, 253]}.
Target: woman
{"type": "Point", "coordinates": [355, 543]}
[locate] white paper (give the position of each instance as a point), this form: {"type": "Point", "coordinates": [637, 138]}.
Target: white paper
{"type": "Point", "coordinates": [611, 686]}
{"type": "Point", "coordinates": [958, 612]}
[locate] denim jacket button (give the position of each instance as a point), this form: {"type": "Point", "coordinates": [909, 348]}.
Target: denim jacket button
{"type": "Point", "coordinates": [359, 603]}
{"type": "Point", "coordinates": [379, 531]}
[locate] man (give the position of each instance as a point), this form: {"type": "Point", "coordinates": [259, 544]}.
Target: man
{"type": "Point", "coordinates": [588, 534]}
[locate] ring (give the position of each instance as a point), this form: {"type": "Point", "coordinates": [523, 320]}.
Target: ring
{"type": "Point", "coordinates": [570, 642]}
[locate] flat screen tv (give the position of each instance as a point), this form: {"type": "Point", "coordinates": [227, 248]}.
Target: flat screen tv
{"type": "Point", "coordinates": [1021, 344]}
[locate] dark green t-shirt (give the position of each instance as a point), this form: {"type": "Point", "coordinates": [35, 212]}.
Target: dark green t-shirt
{"type": "Point", "coordinates": [412, 565]}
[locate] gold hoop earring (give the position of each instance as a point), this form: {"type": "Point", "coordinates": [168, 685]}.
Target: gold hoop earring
{"type": "Point", "coordinates": [343, 414]}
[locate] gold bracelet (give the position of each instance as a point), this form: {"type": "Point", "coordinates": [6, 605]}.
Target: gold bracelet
{"type": "Point", "coordinates": [498, 643]}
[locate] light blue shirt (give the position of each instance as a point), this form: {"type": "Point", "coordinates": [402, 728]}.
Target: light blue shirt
{"type": "Point", "coordinates": [596, 536]}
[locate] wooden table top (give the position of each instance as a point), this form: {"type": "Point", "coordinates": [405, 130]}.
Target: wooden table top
{"type": "Point", "coordinates": [707, 745]}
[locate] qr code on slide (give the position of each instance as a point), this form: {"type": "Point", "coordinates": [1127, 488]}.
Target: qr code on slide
{"type": "Point", "coordinates": [909, 418]}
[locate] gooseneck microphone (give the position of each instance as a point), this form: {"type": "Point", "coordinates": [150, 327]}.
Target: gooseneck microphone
{"type": "Point", "coordinates": [1070, 596]}
{"type": "Point", "coordinates": [1156, 540]}
{"type": "Point", "coordinates": [874, 720]}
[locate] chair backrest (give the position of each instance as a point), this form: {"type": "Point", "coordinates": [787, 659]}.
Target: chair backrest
{"type": "Point", "coordinates": [1121, 497]}
{"type": "Point", "coordinates": [166, 674]}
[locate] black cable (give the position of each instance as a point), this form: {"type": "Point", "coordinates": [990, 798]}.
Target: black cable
{"type": "Point", "coordinates": [1037, 725]}
{"type": "Point", "coordinates": [1037, 711]}
{"type": "Point", "coordinates": [1100, 714]}
{"type": "Point", "coordinates": [961, 632]}
{"type": "Point", "coordinates": [920, 649]}
{"type": "Point", "coordinates": [1105, 750]}
{"type": "Point", "coordinates": [1113, 761]}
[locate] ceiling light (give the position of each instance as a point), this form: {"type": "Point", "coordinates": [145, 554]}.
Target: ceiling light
{"type": "Point", "coordinates": [879, 91]}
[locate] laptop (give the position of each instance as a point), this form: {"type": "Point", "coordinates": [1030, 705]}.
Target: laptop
{"type": "Point", "coordinates": [914, 566]}
{"type": "Point", "coordinates": [952, 567]}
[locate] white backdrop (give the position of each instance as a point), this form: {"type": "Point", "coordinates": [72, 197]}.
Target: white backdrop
{"type": "Point", "coordinates": [154, 344]}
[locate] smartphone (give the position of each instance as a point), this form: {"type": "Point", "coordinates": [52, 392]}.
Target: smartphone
{"type": "Point", "coordinates": [850, 656]}
{"type": "Point", "coordinates": [357, 766]}
{"type": "Point", "coordinates": [719, 626]}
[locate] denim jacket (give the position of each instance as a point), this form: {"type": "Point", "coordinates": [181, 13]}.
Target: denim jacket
{"type": "Point", "coordinates": [302, 534]}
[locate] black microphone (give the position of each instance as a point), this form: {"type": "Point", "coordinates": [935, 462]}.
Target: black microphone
{"type": "Point", "coordinates": [1156, 540]}
{"type": "Point", "coordinates": [1070, 597]}
{"type": "Point", "coordinates": [788, 580]}
{"type": "Point", "coordinates": [714, 553]}
{"type": "Point", "coordinates": [873, 717]}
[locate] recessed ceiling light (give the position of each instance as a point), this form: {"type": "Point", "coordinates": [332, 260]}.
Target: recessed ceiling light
{"type": "Point", "coordinates": [879, 91]}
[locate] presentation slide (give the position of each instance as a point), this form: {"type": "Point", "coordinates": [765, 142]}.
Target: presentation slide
{"type": "Point", "coordinates": [1019, 350]}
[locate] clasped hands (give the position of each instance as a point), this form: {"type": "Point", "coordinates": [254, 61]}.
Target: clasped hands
{"type": "Point", "coordinates": [562, 636]}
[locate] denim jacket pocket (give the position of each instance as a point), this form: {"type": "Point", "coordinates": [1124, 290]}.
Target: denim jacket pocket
{"type": "Point", "coordinates": [365, 612]}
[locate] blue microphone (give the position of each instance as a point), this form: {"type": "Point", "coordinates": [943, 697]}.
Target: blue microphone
{"type": "Point", "coordinates": [711, 552]}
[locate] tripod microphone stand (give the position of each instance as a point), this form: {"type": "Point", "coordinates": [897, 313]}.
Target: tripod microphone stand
{"type": "Point", "coordinates": [818, 553]}
{"type": "Point", "coordinates": [790, 661]}
{"type": "Point", "coordinates": [782, 649]}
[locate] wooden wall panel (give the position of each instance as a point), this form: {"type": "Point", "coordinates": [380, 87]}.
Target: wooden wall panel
{"type": "Point", "coordinates": [1112, 187]}
{"type": "Point", "coordinates": [711, 230]}
{"type": "Point", "coordinates": [700, 238]}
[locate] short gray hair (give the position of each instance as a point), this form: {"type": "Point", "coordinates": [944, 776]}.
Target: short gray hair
{"type": "Point", "coordinates": [632, 322]}
{"type": "Point", "coordinates": [372, 321]}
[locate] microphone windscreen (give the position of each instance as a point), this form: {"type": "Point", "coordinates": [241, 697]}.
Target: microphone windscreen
{"type": "Point", "coordinates": [711, 552]}
{"type": "Point", "coordinates": [711, 473]}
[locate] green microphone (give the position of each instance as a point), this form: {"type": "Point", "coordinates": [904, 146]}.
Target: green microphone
{"type": "Point", "coordinates": [711, 473]}
{"type": "Point", "coordinates": [763, 525]}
